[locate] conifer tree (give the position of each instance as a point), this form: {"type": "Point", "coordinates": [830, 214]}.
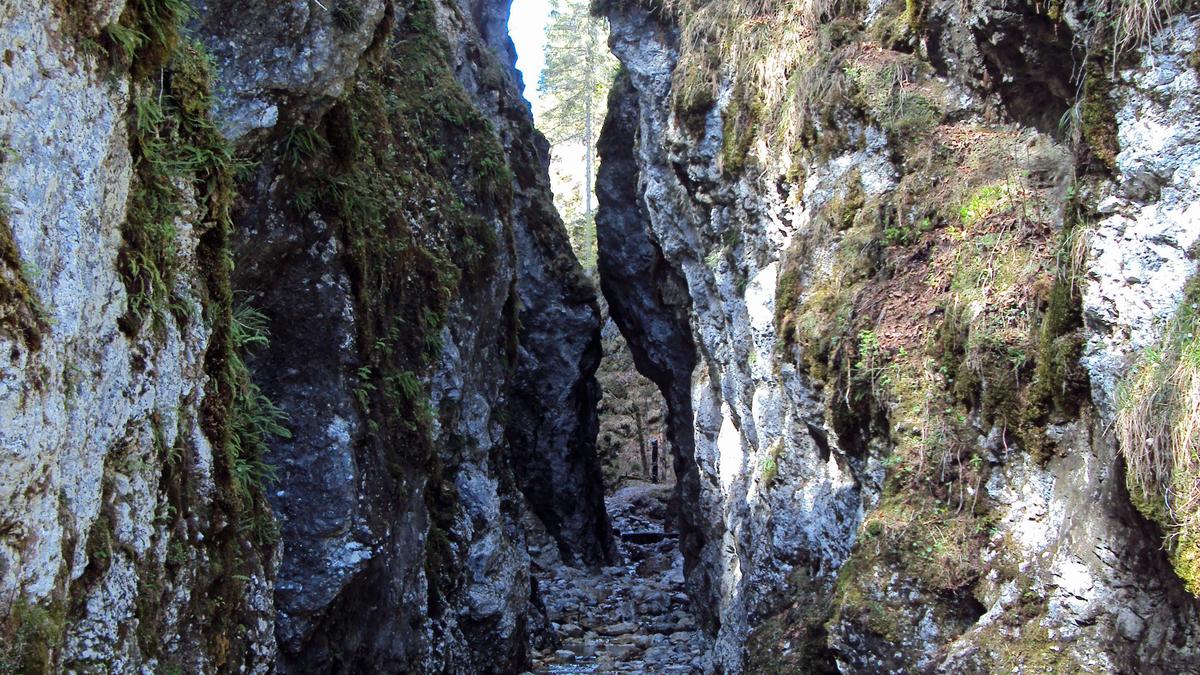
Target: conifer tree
{"type": "Point", "coordinates": [574, 87]}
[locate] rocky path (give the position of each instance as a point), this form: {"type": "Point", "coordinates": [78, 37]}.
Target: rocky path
{"type": "Point", "coordinates": [629, 618]}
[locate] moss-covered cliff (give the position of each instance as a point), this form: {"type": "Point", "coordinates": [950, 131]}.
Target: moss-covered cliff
{"type": "Point", "coordinates": [293, 347]}
{"type": "Point", "coordinates": [891, 224]}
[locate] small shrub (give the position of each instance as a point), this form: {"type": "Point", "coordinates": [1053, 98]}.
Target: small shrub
{"type": "Point", "coordinates": [981, 204]}
{"type": "Point", "coordinates": [768, 468]}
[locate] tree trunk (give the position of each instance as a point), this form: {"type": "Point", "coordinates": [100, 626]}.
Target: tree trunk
{"type": "Point", "coordinates": [641, 436]}
{"type": "Point", "coordinates": [589, 94]}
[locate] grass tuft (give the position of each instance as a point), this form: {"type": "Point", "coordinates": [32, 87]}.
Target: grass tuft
{"type": "Point", "coordinates": [1158, 428]}
{"type": "Point", "coordinates": [177, 150]}
{"type": "Point", "coordinates": [1136, 21]}
{"type": "Point", "coordinates": [347, 15]}
{"type": "Point", "coordinates": [254, 419]}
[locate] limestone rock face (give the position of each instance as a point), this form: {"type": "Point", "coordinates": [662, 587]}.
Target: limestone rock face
{"type": "Point", "coordinates": [428, 538]}
{"type": "Point", "coordinates": [811, 233]}
{"type": "Point", "coordinates": [115, 522]}
{"type": "Point", "coordinates": [1139, 258]}
{"type": "Point", "coordinates": [114, 517]}
{"type": "Point", "coordinates": [315, 459]}
{"type": "Point", "coordinates": [552, 423]}
{"type": "Point", "coordinates": [283, 56]}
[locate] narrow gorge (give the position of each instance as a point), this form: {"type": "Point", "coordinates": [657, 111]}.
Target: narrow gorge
{"type": "Point", "coordinates": [298, 368]}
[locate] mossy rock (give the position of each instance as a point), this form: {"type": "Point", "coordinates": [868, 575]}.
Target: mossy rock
{"type": "Point", "coordinates": [692, 101]}
{"type": "Point", "coordinates": [740, 120]}
{"type": "Point", "coordinates": [417, 186]}
{"type": "Point", "coordinates": [1156, 423]}
{"type": "Point", "coordinates": [20, 312]}
{"type": "Point", "coordinates": [798, 620]}
{"type": "Point", "coordinates": [1097, 114]}
{"type": "Point", "coordinates": [31, 638]}
{"type": "Point", "coordinates": [1194, 57]}
{"type": "Point", "coordinates": [1060, 383]}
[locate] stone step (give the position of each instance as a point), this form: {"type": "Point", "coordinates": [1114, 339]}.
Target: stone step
{"type": "Point", "coordinates": [644, 537]}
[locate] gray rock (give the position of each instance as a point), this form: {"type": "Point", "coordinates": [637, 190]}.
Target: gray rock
{"type": "Point", "coordinates": [282, 61]}
{"type": "Point", "coordinates": [92, 514]}
{"type": "Point", "coordinates": [619, 629]}
{"type": "Point", "coordinates": [622, 651]}
{"type": "Point", "coordinates": [696, 304]}
{"type": "Point", "coordinates": [156, 561]}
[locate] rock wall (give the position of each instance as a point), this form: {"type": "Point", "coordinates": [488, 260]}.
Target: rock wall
{"type": "Point", "coordinates": [903, 253]}
{"type": "Point", "coordinates": [127, 539]}
{"type": "Point", "coordinates": [288, 324]}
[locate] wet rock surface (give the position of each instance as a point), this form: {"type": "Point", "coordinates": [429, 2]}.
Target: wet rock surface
{"type": "Point", "coordinates": [632, 617]}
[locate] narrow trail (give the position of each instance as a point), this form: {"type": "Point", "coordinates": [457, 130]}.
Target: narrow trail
{"type": "Point", "coordinates": [630, 618]}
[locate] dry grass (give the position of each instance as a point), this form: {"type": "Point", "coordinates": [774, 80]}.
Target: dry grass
{"type": "Point", "coordinates": [1136, 21]}
{"type": "Point", "coordinates": [774, 52]}
{"type": "Point", "coordinates": [1158, 428]}
{"type": "Point", "coordinates": [940, 545]}
{"type": "Point", "coordinates": [798, 71]}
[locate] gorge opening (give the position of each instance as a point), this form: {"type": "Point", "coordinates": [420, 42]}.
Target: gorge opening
{"type": "Point", "coordinates": [632, 614]}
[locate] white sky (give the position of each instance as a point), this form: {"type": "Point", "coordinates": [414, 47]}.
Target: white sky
{"type": "Point", "coordinates": [527, 26]}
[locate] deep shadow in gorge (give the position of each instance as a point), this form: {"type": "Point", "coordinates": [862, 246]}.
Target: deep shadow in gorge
{"type": "Point", "coordinates": [645, 298]}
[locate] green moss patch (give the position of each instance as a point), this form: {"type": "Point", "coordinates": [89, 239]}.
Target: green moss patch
{"type": "Point", "coordinates": [792, 637]}
{"type": "Point", "coordinates": [747, 47]}
{"type": "Point", "coordinates": [20, 312]}
{"type": "Point", "coordinates": [146, 35]}
{"type": "Point", "coordinates": [176, 148]}
{"type": "Point", "coordinates": [895, 89]}
{"type": "Point", "coordinates": [1097, 114]}
{"type": "Point", "coordinates": [31, 637]}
